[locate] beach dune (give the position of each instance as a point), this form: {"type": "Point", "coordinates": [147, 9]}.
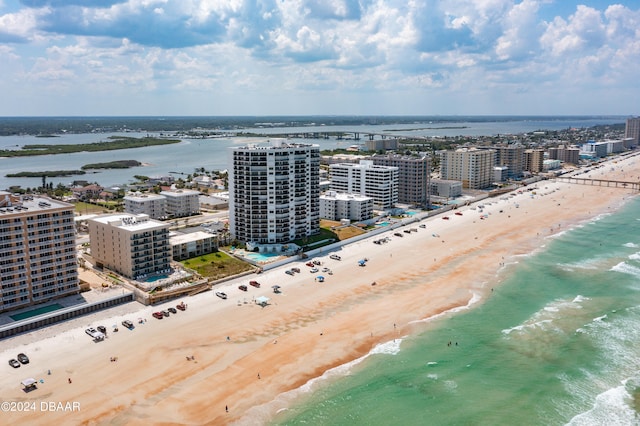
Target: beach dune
{"type": "Point", "coordinates": [231, 361]}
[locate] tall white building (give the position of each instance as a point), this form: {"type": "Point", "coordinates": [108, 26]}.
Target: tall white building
{"type": "Point", "coordinates": [472, 167]}
{"type": "Point", "coordinates": [134, 246]}
{"type": "Point", "coordinates": [182, 202]}
{"type": "Point", "coordinates": [274, 192]}
{"type": "Point", "coordinates": [366, 178]}
{"type": "Point", "coordinates": [153, 205]}
{"type": "Point", "coordinates": [37, 251]}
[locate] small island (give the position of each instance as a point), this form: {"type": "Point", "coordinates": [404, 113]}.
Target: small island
{"type": "Point", "coordinates": [118, 164]}
{"type": "Point", "coordinates": [47, 173]}
{"type": "Point", "coordinates": [117, 142]}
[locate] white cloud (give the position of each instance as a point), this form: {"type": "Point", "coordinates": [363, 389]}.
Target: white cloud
{"type": "Point", "coordinates": [317, 49]}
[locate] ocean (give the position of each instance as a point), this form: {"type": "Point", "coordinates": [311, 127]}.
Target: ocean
{"type": "Point", "coordinates": [556, 342]}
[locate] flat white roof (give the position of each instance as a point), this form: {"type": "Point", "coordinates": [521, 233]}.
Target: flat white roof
{"type": "Point", "coordinates": [143, 197]}
{"type": "Point", "coordinates": [179, 238]}
{"type": "Point", "coordinates": [130, 222]}
{"type": "Point", "coordinates": [179, 193]}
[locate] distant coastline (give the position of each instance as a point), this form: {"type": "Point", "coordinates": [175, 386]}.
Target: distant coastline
{"type": "Point", "coordinates": [54, 126]}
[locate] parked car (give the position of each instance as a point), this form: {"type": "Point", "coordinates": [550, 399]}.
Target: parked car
{"type": "Point", "coordinates": [309, 264]}
{"type": "Point", "coordinates": [102, 329]}
{"type": "Point", "coordinates": [242, 287]}
{"type": "Point", "coordinates": [296, 270]}
{"type": "Point", "coordinates": [397, 234]}
{"type": "Point", "coordinates": [157, 315]}
{"type": "Point", "coordinates": [288, 272]}
{"type": "Point", "coordinates": [313, 270]}
{"type": "Point", "coordinates": [423, 225]}
{"type": "Point", "coordinates": [458, 213]}
{"type": "Point", "coordinates": [14, 363]}
{"type": "Point", "coordinates": [95, 334]}
{"type": "Point", "coordinates": [23, 358]}
{"type": "Point", "coordinates": [181, 306]}
{"type": "Point", "coordinates": [128, 324]}
{"type": "Point", "coordinates": [172, 310]}
{"type": "Point", "coordinates": [335, 257]}
{"type": "Point", "coordinates": [221, 295]}
{"type": "Point", "coordinates": [255, 284]}
{"type": "Point", "coordinates": [165, 313]}
{"type": "Point", "coordinates": [445, 217]}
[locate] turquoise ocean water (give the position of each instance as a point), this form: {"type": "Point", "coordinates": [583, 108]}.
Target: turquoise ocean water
{"type": "Point", "coordinates": [557, 342]}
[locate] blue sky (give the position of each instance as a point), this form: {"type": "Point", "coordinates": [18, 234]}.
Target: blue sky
{"type": "Point", "coordinates": [305, 57]}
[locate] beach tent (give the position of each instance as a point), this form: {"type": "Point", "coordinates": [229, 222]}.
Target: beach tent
{"type": "Point", "coordinates": [29, 383]}
{"type": "Point", "coordinates": [262, 301]}
{"type": "Point", "coordinates": [320, 278]}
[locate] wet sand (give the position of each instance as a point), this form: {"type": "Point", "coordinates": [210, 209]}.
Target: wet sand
{"type": "Point", "coordinates": [307, 329]}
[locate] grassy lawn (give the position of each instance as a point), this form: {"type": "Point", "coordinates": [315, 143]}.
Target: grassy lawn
{"type": "Point", "coordinates": [340, 233]}
{"type": "Point", "coordinates": [217, 265]}
{"type": "Point", "coordinates": [86, 208]}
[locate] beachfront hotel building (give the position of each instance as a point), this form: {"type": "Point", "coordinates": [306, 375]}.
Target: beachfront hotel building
{"type": "Point", "coordinates": [533, 160]}
{"type": "Point", "coordinates": [134, 246]}
{"type": "Point", "coordinates": [632, 130]}
{"type": "Point", "coordinates": [366, 178]}
{"type": "Point", "coordinates": [339, 206]}
{"type": "Point", "coordinates": [510, 156]}
{"type": "Point", "coordinates": [181, 202]}
{"type": "Point", "coordinates": [413, 176]}
{"type": "Point", "coordinates": [38, 251]}
{"type": "Point", "coordinates": [472, 167]}
{"type": "Point", "coordinates": [274, 192]}
{"type": "Point", "coordinates": [152, 205]}
{"type": "Point", "coordinates": [566, 154]}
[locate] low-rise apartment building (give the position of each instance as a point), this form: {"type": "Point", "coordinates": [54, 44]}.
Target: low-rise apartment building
{"type": "Point", "coordinates": [152, 205]}
{"type": "Point", "coordinates": [134, 246]}
{"type": "Point", "coordinates": [181, 202]}
{"type": "Point", "coordinates": [338, 206]}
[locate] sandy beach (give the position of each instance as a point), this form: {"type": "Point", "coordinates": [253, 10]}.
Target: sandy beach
{"type": "Point", "coordinates": [247, 357]}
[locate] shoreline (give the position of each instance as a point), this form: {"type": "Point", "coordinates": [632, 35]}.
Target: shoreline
{"type": "Point", "coordinates": [304, 332]}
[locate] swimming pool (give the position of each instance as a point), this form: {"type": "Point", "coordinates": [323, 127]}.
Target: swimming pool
{"type": "Point", "coordinates": [261, 257]}
{"type": "Point", "coordinates": [385, 223]}
{"type": "Point", "coordinates": [34, 312]}
{"type": "Point", "coordinates": [156, 278]}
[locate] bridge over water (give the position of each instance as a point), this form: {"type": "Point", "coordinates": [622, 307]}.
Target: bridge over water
{"type": "Point", "coordinates": [600, 182]}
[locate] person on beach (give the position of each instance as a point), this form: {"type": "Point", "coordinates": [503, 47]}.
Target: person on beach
{"type": "Point", "coordinates": [69, 380]}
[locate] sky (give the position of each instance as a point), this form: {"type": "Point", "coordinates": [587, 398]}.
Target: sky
{"type": "Point", "coordinates": [319, 57]}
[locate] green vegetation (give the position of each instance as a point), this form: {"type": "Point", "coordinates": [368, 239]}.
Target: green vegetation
{"type": "Point", "coordinates": [326, 235]}
{"type": "Point", "coordinates": [119, 164]}
{"type": "Point", "coordinates": [49, 173]}
{"type": "Point", "coordinates": [217, 265]}
{"type": "Point", "coordinates": [117, 142]}
{"type": "Point", "coordinates": [87, 208]}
